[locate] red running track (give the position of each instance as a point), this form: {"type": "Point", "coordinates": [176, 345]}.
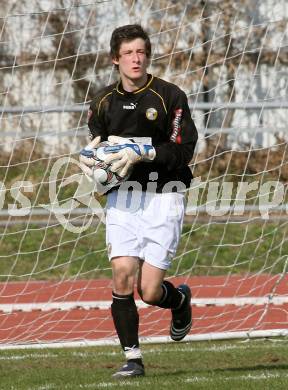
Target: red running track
{"type": "Point", "coordinates": [34, 326]}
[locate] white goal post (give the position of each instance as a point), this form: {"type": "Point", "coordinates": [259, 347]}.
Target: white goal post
{"type": "Point", "coordinates": [230, 57]}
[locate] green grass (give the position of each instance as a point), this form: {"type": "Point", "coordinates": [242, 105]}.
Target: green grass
{"type": "Point", "coordinates": [257, 364]}
{"type": "Point", "coordinates": [217, 249]}
{"type": "Point", "coordinates": [207, 249]}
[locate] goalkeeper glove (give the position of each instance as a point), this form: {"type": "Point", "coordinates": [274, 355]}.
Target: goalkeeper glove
{"type": "Point", "coordinates": [86, 157]}
{"type": "Point", "coordinates": [125, 153]}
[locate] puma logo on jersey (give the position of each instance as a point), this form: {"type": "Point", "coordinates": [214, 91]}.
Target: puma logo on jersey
{"type": "Point", "coordinates": [131, 106]}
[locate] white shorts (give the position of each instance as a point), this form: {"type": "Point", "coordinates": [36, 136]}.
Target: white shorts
{"type": "Point", "coordinates": [144, 225]}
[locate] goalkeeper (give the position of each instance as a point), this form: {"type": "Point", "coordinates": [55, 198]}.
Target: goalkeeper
{"type": "Point", "coordinates": [148, 123]}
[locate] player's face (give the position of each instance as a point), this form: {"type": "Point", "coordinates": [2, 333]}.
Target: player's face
{"type": "Point", "coordinates": [132, 61]}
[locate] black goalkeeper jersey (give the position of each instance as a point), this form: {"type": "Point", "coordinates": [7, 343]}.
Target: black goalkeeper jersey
{"type": "Point", "coordinates": [159, 110]}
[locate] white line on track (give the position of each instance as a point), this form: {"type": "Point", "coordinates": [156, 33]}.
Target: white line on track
{"type": "Point", "coordinates": [154, 339]}
{"type": "Point", "coordinates": [105, 305]}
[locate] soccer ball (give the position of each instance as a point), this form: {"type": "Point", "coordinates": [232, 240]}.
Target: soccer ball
{"type": "Point", "coordinates": [102, 173]}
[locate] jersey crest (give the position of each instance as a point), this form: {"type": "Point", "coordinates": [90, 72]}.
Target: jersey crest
{"type": "Point", "coordinates": [151, 114]}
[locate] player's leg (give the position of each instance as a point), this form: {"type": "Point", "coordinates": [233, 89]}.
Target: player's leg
{"type": "Point", "coordinates": [162, 224]}
{"type": "Point", "coordinates": [154, 290]}
{"type": "Point", "coordinates": [125, 314]}
{"type": "Point", "coordinates": [123, 251]}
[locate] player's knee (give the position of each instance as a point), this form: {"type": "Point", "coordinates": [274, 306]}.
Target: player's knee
{"type": "Point", "coordinates": [123, 283]}
{"type": "Point", "coordinates": [124, 270]}
{"type": "Point", "coordinates": [149, 296]}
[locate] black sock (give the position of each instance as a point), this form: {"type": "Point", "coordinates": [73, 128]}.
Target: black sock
{"type": "Point", "coordinates": [126, 320]}
{"type": "Point", "coordinates": [171, 298]}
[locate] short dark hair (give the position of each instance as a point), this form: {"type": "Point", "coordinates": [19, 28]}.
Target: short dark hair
{"type": "Point", "coordinates": [128, 33]}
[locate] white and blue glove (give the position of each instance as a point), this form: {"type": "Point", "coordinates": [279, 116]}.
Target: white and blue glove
{"type": "Point", "coordinates": [86, 156]}
{"type": "Point", "coordinates": [124, 153]}
{"type": "Point", "coordinates": [95, 169]}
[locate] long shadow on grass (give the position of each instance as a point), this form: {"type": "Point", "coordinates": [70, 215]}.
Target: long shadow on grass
{"type": "Point", "coordinates": [252, 368]}
{"type": "Point", "coordinates": [259, 367]}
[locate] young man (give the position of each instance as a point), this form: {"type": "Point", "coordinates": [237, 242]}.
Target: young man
{"type": "Point", "coordinates": [151, 120]}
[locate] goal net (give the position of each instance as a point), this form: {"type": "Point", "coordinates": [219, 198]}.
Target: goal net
{"type": "Point", "coordinates": [230, 57]}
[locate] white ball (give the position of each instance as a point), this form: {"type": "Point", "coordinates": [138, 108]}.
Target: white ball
{"type": "Point", "coordinates": [100, 175]}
